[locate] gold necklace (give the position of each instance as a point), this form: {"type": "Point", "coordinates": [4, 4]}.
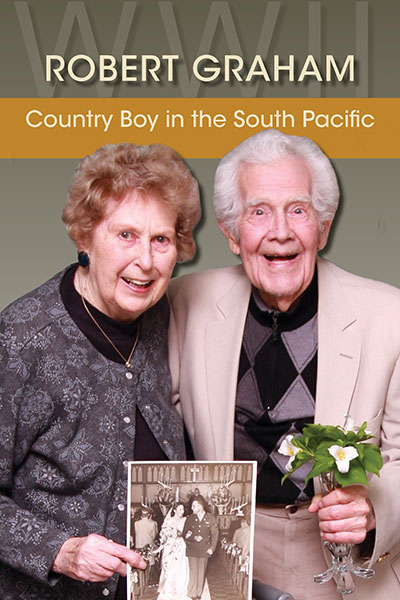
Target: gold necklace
{"type": "Point", "coordinates": [127, 361]}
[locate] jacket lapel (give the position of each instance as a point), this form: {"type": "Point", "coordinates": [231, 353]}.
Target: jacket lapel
{"type": "Point", "coordinates": [224, 336]}
{"type": "Point", "coordinates": [339, 346]}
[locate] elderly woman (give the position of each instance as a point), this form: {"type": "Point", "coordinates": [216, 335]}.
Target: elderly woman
{"type": "Point", "coordinates": [85, 384]}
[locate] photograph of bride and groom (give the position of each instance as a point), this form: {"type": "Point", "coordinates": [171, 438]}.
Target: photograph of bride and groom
{"type": "Point", "coordinates": [193, 524]}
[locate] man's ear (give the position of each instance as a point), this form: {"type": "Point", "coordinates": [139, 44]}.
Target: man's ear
{"type": "Point", "coordinates": [230, 238]}
{"type": "Point", "coordinates": [323, 236]}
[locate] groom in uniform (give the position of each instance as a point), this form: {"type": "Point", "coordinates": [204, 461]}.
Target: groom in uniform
{"type": "Point", "coordinates": [200, 533]}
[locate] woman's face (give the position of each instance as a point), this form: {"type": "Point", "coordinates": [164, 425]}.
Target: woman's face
{"type": "Point", "coordinates": [132, 254]}
{"type": "Point", "coordinates": [180, 510]}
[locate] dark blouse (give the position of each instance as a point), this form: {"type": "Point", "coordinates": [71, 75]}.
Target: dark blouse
{"type": "Point", "coordinates": [123, 336]}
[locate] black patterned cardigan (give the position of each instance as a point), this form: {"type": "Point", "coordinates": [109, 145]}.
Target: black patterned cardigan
{"type": "Point", "coordinates": [67, 430]}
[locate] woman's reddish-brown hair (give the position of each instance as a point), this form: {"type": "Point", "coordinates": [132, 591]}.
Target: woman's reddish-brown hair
{"type": "Point", "coordinates": [113, 172]}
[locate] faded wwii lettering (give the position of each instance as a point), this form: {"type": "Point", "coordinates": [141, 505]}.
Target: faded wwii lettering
{"type": "Point", "coordinates": [219, 13]}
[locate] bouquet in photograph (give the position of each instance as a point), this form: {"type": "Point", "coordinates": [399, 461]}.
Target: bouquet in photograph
{"type": "Point", "coordinates": [339, 457]}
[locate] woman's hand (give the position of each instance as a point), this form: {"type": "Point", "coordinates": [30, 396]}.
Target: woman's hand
{"type": "Point", "coordinates": [94, 558]}
{"type": "Point", "coordinates": [345, 515]}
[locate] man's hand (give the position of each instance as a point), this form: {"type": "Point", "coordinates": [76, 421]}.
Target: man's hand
{"type": "Point", "coordinates": [345, 515]}
{"type": "Point", "coordinates": [94, 558]}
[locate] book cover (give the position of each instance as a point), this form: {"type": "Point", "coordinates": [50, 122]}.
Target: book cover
{"type": "Point", "coordinates": [199, 76]}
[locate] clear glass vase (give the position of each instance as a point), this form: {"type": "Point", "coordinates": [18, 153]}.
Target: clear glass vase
{"type": "Point", "coordinates": [342, 565]}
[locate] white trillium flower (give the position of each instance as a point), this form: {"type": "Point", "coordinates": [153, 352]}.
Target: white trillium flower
{"type": "Point", "coordinates": [288, 449]}
{"type": "Point", "coordinates": [349, 424]}
{"type": "Point", "coordinates": [343, 456]}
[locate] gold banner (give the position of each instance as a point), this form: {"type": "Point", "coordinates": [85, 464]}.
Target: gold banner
{"type": "Point", "coordinates": [196, 128]}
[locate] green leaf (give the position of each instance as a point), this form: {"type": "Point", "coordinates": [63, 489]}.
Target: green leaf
{"type": "Point", "coordinates": [322, 465]}
{"type": "Point", "coordinates": [326, 444]}
{"type": "Point", "coordinates": [314, 435]}
{"type": "Point", "coordinates": [299, 443]}
{"type": "Point", "coordinates": [299, 460]}
{"type": "Point", "coordinates": [371, 458]}
{"type": "Point", "coordinates": [351, 437]}
{"type": "Point", "coordinates": [356, 474]}
{"type": "Point", "coordinates": [362, 435]}
{"type": "Point", "coordinates": [335, 434]}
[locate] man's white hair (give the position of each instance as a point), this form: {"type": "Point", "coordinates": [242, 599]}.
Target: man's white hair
{"type": "Point", "coordinates": [265, 147]}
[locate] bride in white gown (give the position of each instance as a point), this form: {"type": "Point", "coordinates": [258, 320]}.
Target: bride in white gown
{"type": "Point", "coordinates": [174, 564]}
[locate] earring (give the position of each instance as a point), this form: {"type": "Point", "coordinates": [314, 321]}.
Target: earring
{"type": "Point", "coordinates": [83, 259]}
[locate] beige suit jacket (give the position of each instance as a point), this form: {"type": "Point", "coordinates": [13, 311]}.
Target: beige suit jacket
{"type": "Point", "coordinates": [358, 374]}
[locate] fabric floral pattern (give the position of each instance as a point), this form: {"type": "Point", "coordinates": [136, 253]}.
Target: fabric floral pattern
{"type": "Point", "coordinates": [67, 424]}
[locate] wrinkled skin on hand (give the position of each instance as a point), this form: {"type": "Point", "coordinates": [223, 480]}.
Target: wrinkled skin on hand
{"type": "Point", "coordinates": [345, 515]}
{"type": "Point", "coordinates": [94, 558]}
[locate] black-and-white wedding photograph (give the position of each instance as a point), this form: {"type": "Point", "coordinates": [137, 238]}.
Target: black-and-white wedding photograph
{"type": "Point", "coordinates": [193, 523]}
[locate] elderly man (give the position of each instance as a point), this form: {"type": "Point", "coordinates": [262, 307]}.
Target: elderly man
{"type": "Point", "coordinates": [286, 339]}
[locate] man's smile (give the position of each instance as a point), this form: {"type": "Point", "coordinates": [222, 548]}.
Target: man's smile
{"type": "Point", "coordinates": [280, 258]}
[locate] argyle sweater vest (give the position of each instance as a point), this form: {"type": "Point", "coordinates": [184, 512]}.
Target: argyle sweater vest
{"type": "Point", "coordinates": [276, 391]}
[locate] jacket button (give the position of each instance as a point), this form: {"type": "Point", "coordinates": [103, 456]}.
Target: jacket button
{"type": "Point", "coordinates": [383, 556]}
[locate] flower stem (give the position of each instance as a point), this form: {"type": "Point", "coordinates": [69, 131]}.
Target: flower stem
{"type": "Point", "coordinates": [328, 481]}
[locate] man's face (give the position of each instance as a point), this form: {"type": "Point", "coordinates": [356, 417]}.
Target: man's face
{"type": "Point", "coordinates": [279, 233]}
{"type": "Point", "coordinates": [196, 507]}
